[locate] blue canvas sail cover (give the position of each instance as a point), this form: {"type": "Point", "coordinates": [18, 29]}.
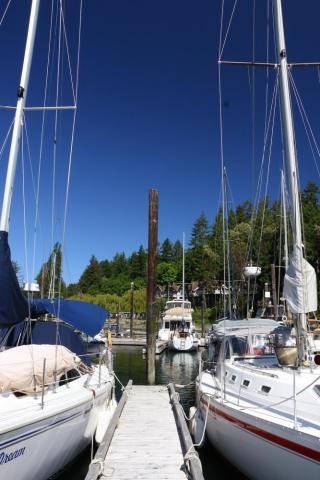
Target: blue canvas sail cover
{"type": "Point", "coordinates": [40, 332]}
{"type": "Point", "coordinates": [86, 317]}
{"type": "Point", "coordinates": [13, 305]}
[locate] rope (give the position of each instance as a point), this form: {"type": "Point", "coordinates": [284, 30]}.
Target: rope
{"type": "Point", "coordinates": [119, 381]}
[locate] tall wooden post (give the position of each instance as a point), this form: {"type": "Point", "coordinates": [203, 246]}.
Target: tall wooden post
{"type": "Point", "coordinates": [151, 288]}
{"type": "Point", "coordinates": [131, 308]}
{"type": "Point", "coordinates": [274, 291]}
{"type": "Point", "coordinates": [203, 306]}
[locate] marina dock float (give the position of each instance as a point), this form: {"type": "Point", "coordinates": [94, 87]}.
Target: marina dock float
{"type": "Point", "coordinates": [147, 439]}
{"type": "Point", "coordinates": [161, 345]}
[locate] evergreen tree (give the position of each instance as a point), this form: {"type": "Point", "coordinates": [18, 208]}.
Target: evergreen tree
{"type": "Point", "coordinates": [177, 251]}
{"type": "Point", "coordinates": [200, 231]}
{"type": "Point", "coordinates": [50, 276]}
{"type": "Point", "coordinates": [119, 264]}
{"type": "Point", "coordinates": [166, 252]}
{"type": "Point", "coordinates": [91, 279]}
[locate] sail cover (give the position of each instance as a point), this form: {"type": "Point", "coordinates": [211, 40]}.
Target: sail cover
{"type": "Point", "coordinates": [300, 284]}
{"type": "Point", "coordinates": [13, 305]}
{"type": "Point", "coordinates": [86, 317]}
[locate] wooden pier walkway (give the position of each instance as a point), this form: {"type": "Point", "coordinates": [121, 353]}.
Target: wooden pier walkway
{"type": "Point", "coordinates": [144, 442]}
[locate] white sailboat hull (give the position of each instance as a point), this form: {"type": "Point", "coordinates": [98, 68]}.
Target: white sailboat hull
{"type": "Point", "coordinates": [36, 443]}
{"type": "Point", "coordinates": [260, 450]}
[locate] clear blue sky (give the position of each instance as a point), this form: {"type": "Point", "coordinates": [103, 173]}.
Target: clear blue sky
{"type": "Point", "coordinates": [148, 117]}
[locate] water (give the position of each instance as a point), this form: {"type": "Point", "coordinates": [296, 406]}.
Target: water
{"type": "Point", "coordinates": [179, 368]}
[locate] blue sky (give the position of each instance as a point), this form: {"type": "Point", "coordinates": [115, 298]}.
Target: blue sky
{"type": "Point", "coordinates": [148, 117]}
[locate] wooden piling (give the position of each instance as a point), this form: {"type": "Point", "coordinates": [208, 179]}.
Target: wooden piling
{"type": "Point", "coordinates": [151, 286]}
{"type": "Point", "coordinates": [131, 308]}
{"type": "Point", "coordinates": [203, 306]}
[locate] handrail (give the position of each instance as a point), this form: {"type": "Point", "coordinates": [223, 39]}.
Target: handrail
{"type": "Point", "coordinates": [95, 466]}
{"type": "Point", "coordinates": [189, 452]}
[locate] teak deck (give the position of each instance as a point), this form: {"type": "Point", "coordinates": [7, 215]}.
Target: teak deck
{"type": "Point", "coordinates": [146, 443]}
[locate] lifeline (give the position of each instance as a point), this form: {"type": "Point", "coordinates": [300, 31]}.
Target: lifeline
{"type": "Point", "coordinates": [7, 457]}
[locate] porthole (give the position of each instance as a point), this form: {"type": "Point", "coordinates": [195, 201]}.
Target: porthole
{"type": "Point", "coordinates": [233, 378]}
{"type": "Point", "coordinates": [265, 389]}
{"type": "Point", "coordinates": [246, 383]}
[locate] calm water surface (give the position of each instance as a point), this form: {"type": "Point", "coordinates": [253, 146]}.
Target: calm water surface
{"type": "Point", "coordinates": [179, 368]}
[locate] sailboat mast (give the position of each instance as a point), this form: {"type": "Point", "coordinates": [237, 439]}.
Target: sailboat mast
{"type": "Point", "coordinates": [18, 121]}
{"type": "Point", "coordinates": [290, 148]}
{"type": "Point", "coordinates": [291, 156]}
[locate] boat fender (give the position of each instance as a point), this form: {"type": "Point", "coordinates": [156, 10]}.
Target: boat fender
{"type": "Point", "coordinates": [93, 392]}
{"type": "Point", "coordinates": [104, 417]}
{"type": "Point", "coordinates": [196, 426]}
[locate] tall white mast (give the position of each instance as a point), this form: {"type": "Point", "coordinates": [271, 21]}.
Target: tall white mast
{"type": "Point", "coordinates": [291, 158]}
{"type": "Point", "coordinates": [18, 121]}
{"type": "Point", "coordinates": [290, 148]}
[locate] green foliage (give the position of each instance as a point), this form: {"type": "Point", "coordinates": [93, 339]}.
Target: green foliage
{"type": "Point", "coordinates": [117, 303]}
{"type": "Point", "coordinates": [167, 273]}
{"type": "Point", "coordinates": [50, 276]}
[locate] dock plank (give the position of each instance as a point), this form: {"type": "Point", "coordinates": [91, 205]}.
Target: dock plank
{"type": "Point", "coordinates": [145, 444]}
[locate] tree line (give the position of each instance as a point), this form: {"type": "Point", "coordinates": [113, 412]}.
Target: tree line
{"type": "Point", "coordinates": [255, 234]}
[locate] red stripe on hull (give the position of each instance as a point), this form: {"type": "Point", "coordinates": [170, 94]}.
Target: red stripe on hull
{"type": "Point", "coordinates": [283, 442]}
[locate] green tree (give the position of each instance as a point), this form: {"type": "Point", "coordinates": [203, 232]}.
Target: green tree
{"type": "Point", "coordinates": [177, 251]}
{"type": "Point", "coordinates": [166, 253]}
{"type": "Point", "coordinates": [50, 276]}
{"type": "Point", "coordinates": [166, 273]}
{"type": "Point", "coordinates": [91, 279]}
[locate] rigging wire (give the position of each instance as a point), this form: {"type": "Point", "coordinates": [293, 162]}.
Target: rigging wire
{"type": "Point", "coordinates": [306, 123]}
{"type": "Point", "coordinates": [265, 195]}
{"type": "Point", "coordinates": [4, 143]}
{"type": "Point", "coordinates": [71, 143]}
{"type": "Point", "coordinates": [253, 99]}
{"type": "Point", "coordinates": [55, 136]}
{"type": "Point", "coordinates": [261, 174]}
{"type": "Point", "coordinates": [222, 44]}
{"type": "Point", "coordinates": [36, 220]}
{"type": "Point", "coordinates": [5, 12]}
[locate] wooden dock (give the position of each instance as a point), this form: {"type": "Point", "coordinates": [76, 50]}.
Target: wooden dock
{"type": "Point", "coordinates": [161, 345]}
{"type": "Point", "coordinates": [145, 440]}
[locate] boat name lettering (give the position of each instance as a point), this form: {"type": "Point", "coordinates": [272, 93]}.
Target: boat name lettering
{"type": "Point", "coordinates": [7, 457]}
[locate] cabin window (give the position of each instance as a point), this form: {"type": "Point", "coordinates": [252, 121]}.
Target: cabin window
{"type": "Point", "coordinates": [317, 389]}
{"type": "Point", "coordinates": [233, 378]}
{"type": "Point", "coordinates": [227, 352]}
{"type": "Point", "coordinates": [239, 346]}
{"type": "Point", "coordinates": [246, 383]}
{"type": "Point", "coordinates": [265, 389]}
{"type": "Point", "coordinates": [216, 351]}
{"type": "Point", "coordinates": [166, 324]}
